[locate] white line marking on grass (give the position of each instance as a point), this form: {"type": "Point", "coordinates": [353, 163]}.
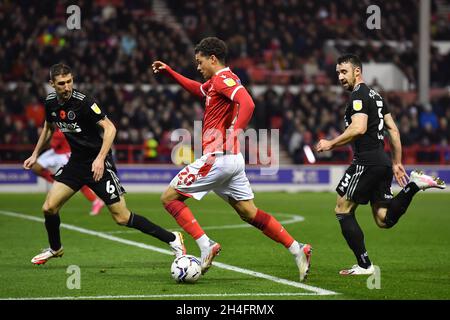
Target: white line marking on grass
{"type": "Point", "coordinates": [159, 296]}
{"type": "Point", "coordinates": [316, 290]}
{"type": "Point", "coordinates": [294, 218]}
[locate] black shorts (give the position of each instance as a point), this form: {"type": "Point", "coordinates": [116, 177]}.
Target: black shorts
{"type": "Point", "coordinates": [362, 184]}
{"type": "Point", "coordinates": [76, 174]}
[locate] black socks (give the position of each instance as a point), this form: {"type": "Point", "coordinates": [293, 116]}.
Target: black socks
{"type": "Point", "coordinates": [399, 204]}
{"type": "Point", "coordinates": [355, 238]}
{"type": "Point", "coordinates": [52, 222]}
{"type": "Point", "coordinates": [144, 225]}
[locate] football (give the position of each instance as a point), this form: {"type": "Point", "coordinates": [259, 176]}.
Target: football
{"type": "Point", "coordinates": [186, 268]}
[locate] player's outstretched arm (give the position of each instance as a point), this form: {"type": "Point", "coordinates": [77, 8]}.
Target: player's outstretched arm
{"type": "Point", "coordinates": [355, 129]}
{"type": "Point", "coordinates": [396, 147]}
{"type": "Point", "coordinates": [45, 136]}
{"type": "Point", "coordinates": [192, 86]}
{"type": "Point", "coordinates": [109, 133]}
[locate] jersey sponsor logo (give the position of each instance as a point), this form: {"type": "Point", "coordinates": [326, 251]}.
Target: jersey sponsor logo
{"type": "Point", "coordinates": [96, 109]}
{"type": "Point", "coordinates": [68, 127]}
{"type": "Point", "coordinates": [229, 82]}
{"type": "Point", "coordinates": [62, 114]}
{"type": "Point", "coordinates": [357, 105]}
{"type": "Point", "coordinates": [71, 115]}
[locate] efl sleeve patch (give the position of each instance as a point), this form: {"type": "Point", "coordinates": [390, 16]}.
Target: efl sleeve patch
{"type": "Point", "coordinates": [357, 105]}
{"type": "Point", "coordinates": [96, 109]}
{"type": "Point", "coordinates": [229, 82]}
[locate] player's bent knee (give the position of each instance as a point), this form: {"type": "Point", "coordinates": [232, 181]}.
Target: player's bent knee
{"type": "Point", "coordinates": [381, 224]}
{"type": "Point", "coordinates": [344, 206]}
{"type": "Point", "coordinates": [246, 217]}
{"type": "Point", "coordinates": [246, 213]}
{"type": "Point", "coordinates": [340, 209]}
{"type": "Point", "coordinates": [120, 213]}
{"type": "Point", "coordinates": [164, 199]}
{"type": "Point", "coordinates": [170, 195]}
{"type": "Point", "coordinates": [48, 209]}
{"type": "Point", "coordinates": [120, 219]}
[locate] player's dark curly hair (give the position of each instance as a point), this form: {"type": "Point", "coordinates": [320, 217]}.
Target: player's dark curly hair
{"type": "Point", "coordinates": [58, 70]}
{"type": "Point", "coordinates": [352, 58]}
{"type": "Point", "coordinates": [212, 46]}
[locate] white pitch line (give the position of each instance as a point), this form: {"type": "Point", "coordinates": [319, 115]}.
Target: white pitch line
{"type": "Point", "coordinates": [293, 219]}
{"type": "Point", "coordinates": [317, 290]}
{"type": "Point", "coordinates": [159, 296]}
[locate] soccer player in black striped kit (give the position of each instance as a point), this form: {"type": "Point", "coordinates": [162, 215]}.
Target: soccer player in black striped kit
{"type": "Point", "coordinates": [90, 134]}
{"type": "Point", "coordinates": [370, 175]}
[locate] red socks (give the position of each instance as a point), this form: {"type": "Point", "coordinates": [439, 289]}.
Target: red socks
{"type": "Point", "coordinates": [184, 218]}
{"type": "Point", "coordinates": [263, 221]}
{"type": "Point", "coordinates": [47, 175]}
{"type": "Point", "coordinates": [88, 193]}
{"type": "Point", "coordinates": [272, 228]}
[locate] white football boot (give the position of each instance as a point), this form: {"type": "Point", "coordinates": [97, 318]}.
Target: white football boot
{"type": "Point", "coordinates": [303, 261]}
{"type": "Point", "coordinates": [424, 181]}
{"type": "Point", "coordinates": [209, 254]}
{"type": "Point", "coordinates": [177, 245]}
{"type": "Point", "coordinates": [47, 254]}
{"type": "Point", "coordinates": [356, 270]}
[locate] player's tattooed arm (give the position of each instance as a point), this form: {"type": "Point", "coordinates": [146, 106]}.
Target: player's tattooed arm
{"type": "Point", "coordinates": [44, 138]}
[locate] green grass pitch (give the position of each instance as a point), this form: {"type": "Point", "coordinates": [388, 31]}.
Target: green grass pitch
{"type": "Point", "coordinates": [413, 257]}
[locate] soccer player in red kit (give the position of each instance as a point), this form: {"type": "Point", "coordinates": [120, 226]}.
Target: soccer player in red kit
{"type": "Point", "coordinates": [56, 157]}
{"type": "Point", "coordinates": [228, 109]}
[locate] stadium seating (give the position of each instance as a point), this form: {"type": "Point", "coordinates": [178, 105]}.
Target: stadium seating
{"type": "Point", "coordinates": [120, 39]}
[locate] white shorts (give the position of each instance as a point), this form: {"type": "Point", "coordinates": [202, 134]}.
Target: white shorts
{"type": "Point", "coordinates": [223, 174]}
{"type": "Point", "coordinates": [53, 161]}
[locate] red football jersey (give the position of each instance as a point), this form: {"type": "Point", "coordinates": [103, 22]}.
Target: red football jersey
{"type": "Point", "coordinates": [59, 142]}
{"type": "Point", "coordinates": [220, 110]}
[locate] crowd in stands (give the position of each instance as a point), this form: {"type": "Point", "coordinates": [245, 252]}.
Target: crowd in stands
{"type": "Point", "coordinates": [119, 39]}
{"type": "Point", "coordinates": [116, 43]}
{"type": "Point", "coordinates": [307, 117]}
{"type": "Point", "coordinates": [287, 36]}
{"type": "Point", "coordinates": [149, 116]}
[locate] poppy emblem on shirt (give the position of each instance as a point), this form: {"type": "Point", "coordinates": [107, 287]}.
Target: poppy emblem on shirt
{"type": "Point", "coordinates": [229, 82]}
{"type": "Point", "coordinates": [62, 114]}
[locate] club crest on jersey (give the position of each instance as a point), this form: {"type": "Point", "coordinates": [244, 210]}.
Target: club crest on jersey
{"type": "Point", "coordinates": [71, 115]}
{"type": "Point", "coordinates": [96, 109]}
{"type": "Point", "coordinates": [229, 82]}
{"type": "Point", "coordinates": [357, 105]}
